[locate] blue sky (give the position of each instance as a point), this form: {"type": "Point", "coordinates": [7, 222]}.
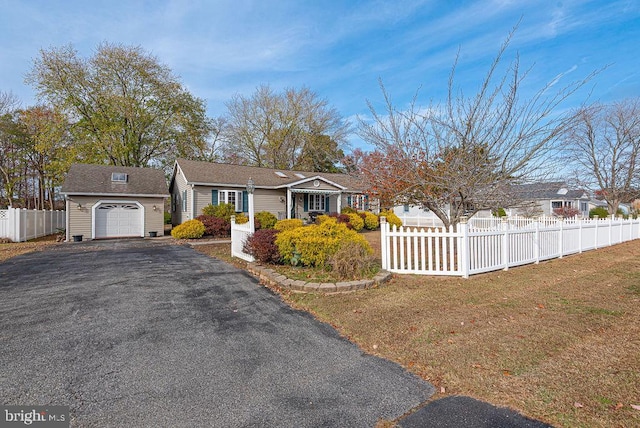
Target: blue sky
{"type": "Point", "coordinates": [339, 49]}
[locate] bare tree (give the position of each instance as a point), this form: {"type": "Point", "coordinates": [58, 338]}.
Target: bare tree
{"type": "Point", "coordinates": [293, 130]}
{"type": "Point", "coordinates": [605, 143]}
{"type": "Point", "coordinates": [463, 155]}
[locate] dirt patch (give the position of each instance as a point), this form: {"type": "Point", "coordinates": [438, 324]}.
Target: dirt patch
{"type": "Point", "coordinates": [8, 250]}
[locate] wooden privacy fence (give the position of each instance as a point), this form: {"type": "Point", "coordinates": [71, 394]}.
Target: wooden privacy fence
{"type": "Point", "coordinates": [470, 249]}
{"type": "Point", "coordinates": [20, 225]}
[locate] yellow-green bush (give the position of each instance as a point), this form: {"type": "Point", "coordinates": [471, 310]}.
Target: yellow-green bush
{"type": "Point", "coordinates": [356, 222]}
{"type": "Point", "coordinates": [266, 219]}
{"type": "Point", "coordinates": [322, 218]}
{"type": "Point", "coordinates": [191, 229]}
{"type": "Point", "coordinates": [313, 245]}
{"type": "Point", "coordinates": [371, 221]}
{"type": "Point", "coordinates": [241, 218]}
{"type": "Point", "coordinates": [392, 218]}
{"type": "Point", "coordinates": [288, 224]}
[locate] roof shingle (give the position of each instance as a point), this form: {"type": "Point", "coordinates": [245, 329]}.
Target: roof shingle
{"type": "Point", "coordinates": [212, 173]}
{"type": "Point", "coordinates": [96, 180]}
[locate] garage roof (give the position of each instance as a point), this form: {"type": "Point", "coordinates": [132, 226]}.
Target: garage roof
{"type": "Point", "coordinates": [85, 179]}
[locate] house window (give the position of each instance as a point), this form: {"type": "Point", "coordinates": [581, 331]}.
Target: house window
{"type": "Point", "coordinates": [556, 204]}
{"type": "Point", "coordinates": [233, 197]}
{"type": "Point", "coordinates": [584, 207]}
{"type": "Point", "coordinates": [120, 177]}
{"type": "Point", "coordinates": [359, 202]}
{"type": "Point", "coordinates": [184, 200]}
{"type": "Point", "coordinates": [316, 203]}
{"type": "Point", "coordinates": [406, 208]}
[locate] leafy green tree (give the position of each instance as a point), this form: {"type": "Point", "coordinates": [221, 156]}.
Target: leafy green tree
{"type": "Point", "coordinates": [126, 107]}
{"type": "Point", "coordinates": [47, 149]}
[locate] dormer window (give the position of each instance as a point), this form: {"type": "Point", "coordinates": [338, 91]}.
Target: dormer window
{"type": "Point", "coordinates": [119, 177]}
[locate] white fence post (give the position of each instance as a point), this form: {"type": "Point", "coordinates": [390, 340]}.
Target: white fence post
{"type": "Point", "coordinates": [561, 238]}
{"type": "Point", "coordinates": [464, 247]}
{"type": "Point", "coordinates": [384, 231]}
{"type": "Point", "coordinates": [505, 242]}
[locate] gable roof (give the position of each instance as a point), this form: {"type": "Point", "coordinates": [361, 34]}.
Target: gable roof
{"type": "Point", "coordinates": [223, 174]}
{"type": "Point", "coordinates": [552, 190]}
{"type": "Point", "coordinates": [85, 179]}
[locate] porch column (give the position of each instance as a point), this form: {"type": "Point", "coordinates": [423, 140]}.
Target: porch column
{"type": "Point", "coordinates": [289, 203]}
{"type": "Point", "coordinates": [339, 204]}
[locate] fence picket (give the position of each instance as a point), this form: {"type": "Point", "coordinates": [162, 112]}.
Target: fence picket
{"type": "Point", "coordinates": [470, 249]}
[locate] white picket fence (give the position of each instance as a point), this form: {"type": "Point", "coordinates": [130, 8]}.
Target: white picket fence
{"type": "Point", "coordinates": [20, 225]}
{"type": "Point", "coordinates": [239, 235]}
{"type": "Point", "coordinates": [473, 248]}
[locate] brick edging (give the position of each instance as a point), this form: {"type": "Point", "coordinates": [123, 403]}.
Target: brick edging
{"type": "Point", "coordinates": [271, 277]}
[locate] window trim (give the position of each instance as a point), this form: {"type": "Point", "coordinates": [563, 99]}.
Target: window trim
{"type": "Point", "coordinates": [223, 198]}
{"type": "Point", "coordinates": [313, 202]}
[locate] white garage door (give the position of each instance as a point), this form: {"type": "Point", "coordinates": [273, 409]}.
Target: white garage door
{"type": "Point", "coordinates": [115, 220]}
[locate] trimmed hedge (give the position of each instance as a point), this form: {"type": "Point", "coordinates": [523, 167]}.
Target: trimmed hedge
{"type": "Point", "coordinates": [288, 224]}
{"type": "Point", "coordinates": [267, 220]}
{"type": "Point", "coordinates": [371, 221]}
{"type": "Point", "coordinates": [313, 245]}
{"type": "Point", "coordinates": [392, 218]}
{"type": "Point", "coordinates": [191, 229]}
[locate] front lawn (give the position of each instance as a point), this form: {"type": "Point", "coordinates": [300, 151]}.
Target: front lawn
{"type": "Point", "coordinates": [558, 341]}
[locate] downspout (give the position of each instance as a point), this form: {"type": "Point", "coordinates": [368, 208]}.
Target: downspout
{"type": "Point", "coordinates": [193, 203]}
{"type": "Point", "coordinates": [66, 215]}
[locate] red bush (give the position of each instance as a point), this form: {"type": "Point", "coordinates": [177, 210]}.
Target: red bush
{"type": "Point", "coordinates": [215, 226]}
{"type": "Point", "coordinates": [261, 245]}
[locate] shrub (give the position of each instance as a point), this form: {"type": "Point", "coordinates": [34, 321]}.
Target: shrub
{"type": "Point", "coordinates": [322, 218]}
{"type": "Point", "coordinates": [566, 212]}
{"type": "Point", "coordinates": [500, 212]}
{"type": "Point", "coordinates": [598, 211]}
{"type": "Point", "coordinates": [261, 245]}
{"type": "Point", "coordinates": [392, 218]}
{"type": "Point", "coordinates": [313, 245]}
{"type": "Point", "coordinates": [241, 218]}
{"type": "Point", "coordinates": [191, 229]}
{"type": "Point", "coordinates": [223, 211]}
{"type": "Point", "coordinates": [215, 226]}
{"type": "Point", "coordinates": [351, 261]}
{"type": "Point", "coordinates": [371, 221]}
{"type": "Point", "coordinates": [266, 219]}
{"type": "Point", "coordinates": [356, 222]}
{"type": "Point", "coordinates": [167, 218]}
{"type": "Point", "coordinates": [347, 210]}
{"type": "Point", "coordinates": [289, 224]}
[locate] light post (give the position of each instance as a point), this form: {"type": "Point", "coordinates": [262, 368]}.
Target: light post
{"type": "Point", "coordinates": [251, 186]}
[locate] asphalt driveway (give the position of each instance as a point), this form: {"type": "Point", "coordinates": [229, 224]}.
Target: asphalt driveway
{"type": "Point", "coordinates": [138, 333]}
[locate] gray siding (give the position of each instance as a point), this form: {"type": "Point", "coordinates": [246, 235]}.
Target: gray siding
{"type": "Point", "coordinates": [80, 220]}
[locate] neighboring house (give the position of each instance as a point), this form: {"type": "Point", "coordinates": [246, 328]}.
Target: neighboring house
{"type": "Point", "coordinates": [114, 202]}
{"type": "Point", "coordinates": [543, 198]}
{"type": "Point", "coordinates": [532, 200]}
{"type": "Point", "coordinates": [284, 193]}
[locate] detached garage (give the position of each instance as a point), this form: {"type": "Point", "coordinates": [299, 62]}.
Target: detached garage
{"type": "Point", "coordinates": [114, 202]}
